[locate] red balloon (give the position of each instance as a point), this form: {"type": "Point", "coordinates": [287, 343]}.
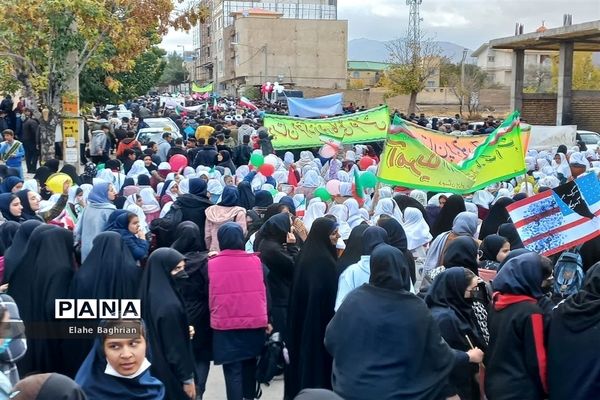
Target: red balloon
{"type": "Point", "coordinates": [365, 163]}
{"type": "Point", "coordinates": [178, 162]}
{"type": "Point", "coordinates": [267, 169]}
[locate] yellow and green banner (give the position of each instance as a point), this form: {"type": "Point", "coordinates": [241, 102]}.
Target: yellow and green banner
{"type": "Point", "coordinates": [202, 89]}
{"type": "Point", "coordinates": [293, 133]}
{"type": "Point", "coordinates": [411, 160]}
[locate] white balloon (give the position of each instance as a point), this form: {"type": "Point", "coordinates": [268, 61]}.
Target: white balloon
{"type": "Point", "coordinates": [268, 84]}
{"type": "Point", "coordinates": [276, 84]}
{"type": "Point", "coordinates": [271, 159]}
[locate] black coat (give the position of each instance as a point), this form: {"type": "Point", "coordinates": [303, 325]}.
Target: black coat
{"type": "Point", "coordinates": [241, 154]}
{"type": "Point", "coordinates": [193, 209]}
{"type": "Point", "coordinates": [31, 132]}
{"type": "Point", "coordinates": [207, 157]}
{"type": "Point", "coordinates": [165, 316]}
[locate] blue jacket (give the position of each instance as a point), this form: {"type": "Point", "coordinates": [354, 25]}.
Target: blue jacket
{"type": "Point", "coordinates": [17, 157]}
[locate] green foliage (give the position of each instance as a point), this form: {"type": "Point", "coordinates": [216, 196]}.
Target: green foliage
{"type": "Point", "coordinates": [174, 72]}
{"type": "Point", "coordinates": [145, 74]}
{"type": "Point", "coordinates": [586, 76]}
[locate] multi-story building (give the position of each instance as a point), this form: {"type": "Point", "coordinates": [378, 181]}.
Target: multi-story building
{"type": "Point", "coordinates": [270, 27]}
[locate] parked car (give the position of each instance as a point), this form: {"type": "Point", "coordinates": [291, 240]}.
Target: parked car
{"type": "Point", "coordinates": [120, 109]}
{"type": "Point", "coordinates": [147, 135]}
{"type": "Point", "coordinates": [590, 139]}
{"type": "Point", "coordinates": [166, 124]}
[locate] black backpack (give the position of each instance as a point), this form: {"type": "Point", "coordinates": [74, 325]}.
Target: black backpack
{"type": "Point", "coordinates": [164, 228]}
{"type": "Point", "coordinates": [270, 362]}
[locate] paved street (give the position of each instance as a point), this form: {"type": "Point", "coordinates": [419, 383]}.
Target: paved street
{"type": "Point", "coordinates": [215, 387]}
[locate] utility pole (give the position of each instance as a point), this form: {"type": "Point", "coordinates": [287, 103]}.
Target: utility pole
{"type": "Point", "coordinates": [72, 123]}
{"type": "Point", "coordinates": [414, 27]}
{"type": "Point", "coordinates": [462, 80]}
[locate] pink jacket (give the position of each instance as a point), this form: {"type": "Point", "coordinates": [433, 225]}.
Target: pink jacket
{"type": "Point", "coordinates": [217, 216]}
{"type": "Point", "coordinates": [237, 296]}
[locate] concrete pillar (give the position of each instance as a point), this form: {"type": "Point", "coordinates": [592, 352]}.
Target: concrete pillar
{"type": "Point", "coordinates": [516, 88]}
{"type": "Point", "coordinates": [565, 81]}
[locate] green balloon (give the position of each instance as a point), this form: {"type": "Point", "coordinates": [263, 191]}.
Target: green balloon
{"type": "Point", "coordinates": [257, 160]}
{"type": "Point", "coordinates": [323, 194]}
{"type": "Point", "coordinates": [368, 179]}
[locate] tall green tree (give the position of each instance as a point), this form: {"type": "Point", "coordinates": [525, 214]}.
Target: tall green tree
{"type": "Point", "coordinates": [94, 82]}
{"type": "Point", "coordinates": [174, 73]}
{"type": "Point", "coordinates": [586, 75]}
{"type": "Point", "coordinates": [50, 42]}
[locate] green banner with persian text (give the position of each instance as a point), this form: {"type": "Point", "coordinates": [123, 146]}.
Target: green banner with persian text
{"type": "Point", "coordinates": [293, 133]}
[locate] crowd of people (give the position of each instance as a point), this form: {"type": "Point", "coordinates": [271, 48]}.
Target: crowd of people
{"type": "Point", "coordinates": [390, 293]}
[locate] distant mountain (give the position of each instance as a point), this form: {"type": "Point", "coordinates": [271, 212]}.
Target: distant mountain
{"type": "Point", "coordinates": [375, 50]}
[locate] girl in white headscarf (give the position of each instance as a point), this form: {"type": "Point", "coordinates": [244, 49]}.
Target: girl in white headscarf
{"type": "Point", "coordinates": [354, 216]}
{"type": "Point", "coordinates": [561, 166]}
{"type": "Point", "coordinates": [385, 192]}
{"type": "Point", "coordinates": [133, 203]}
{"type": "Point", "coordinates": [241, 172]}
{"type": "Point", "coordinates": [306, 158]}
{"type": "Point", "coordinates": [149, 204]}
{"type": "Point", "coordinates": [316, 209]}
{"type": "Point", "coordinates": [308, 184]}
{"type": "Point", "coordinates": [420, 196]}
{"type": "Point", "coordinates": [343, 176]}
{"type": "Point", "coordinates": [215, 189]}
{"type": "Point", "coordinates": [483, 199]}
{"type": "Point", "coordinates": [388, 207]}
{"type": "Point", "coordinates": [340, 212]}
{"type": "Point", "coordinates": [288, 159]}
{"type": "Point", "coordinates": [31, 184]}
{"type": "Point", "coordinates": [503, 193]}
{"type": "Point", "coordinates": [187, 171]}
{"type": "Point", "coordinates": [417, 231]}
{"type": "Point", "coordinates": [579, 158]}
{"type": "Point", "coordinates": [138, 168]}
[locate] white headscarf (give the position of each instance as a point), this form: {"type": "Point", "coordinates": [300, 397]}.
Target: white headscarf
{"type": "Point", "coordinates": [530, 163]}
{"type": "Point", "coordinates": [472, 208]}
{"type": "Point", "coordinates": [343, 176]}
{"type": "Point", "coordinates": [388, 207]}
{"type": "Point", "coordinates": [345, 189]}
{"type": "Point", "coordinates": [138, 168]}
{"type": "Point", "coordinates": [310, 179]}
{"type": "Point", "coordinates": [420, 196]}
{"type": "Point", "coordinates": [340, 212]}
{"type": "Point", "coordinates": [316, 209]}
{"type": "Point", "coordinates": [288, 159]}
{"type": "Point", "coordinates": [502, 193]}
{"type": "Point", "coordinates": [483, 198]}
{"type": "Point", "coordinates": [31, 184]}
{"type": "Point", "coordinates": [562, 168]}
{"type": "Point", "coordinates": [579, 158]}
{"type": "Point", "coordinates": [131, 205]}
{"type": "Point", "coordinates": [149, 203]}
{"type": "Point", "coordinates": [278, 197]}
{"type": "Point", "coordinates": [184, 186]}
{"type": "Point", "coordinates": [280, 176]}
{"type": "Point", "coordinates": [87, 188]}
{"type": "Point", "coordinates": [417, 230]}
{"type": "Point", "coordinates": [354, 217]}
{"type": "Point", "coordinates": [306, 158]}
{"type": "Point", "coordinates": [107, 176]}
{"type": "Point", "coordinates": [164, 166]}
{"type": "Point", "coordinates": [187, 171]}
{"type": "Point", "coordinates": [385, 192]}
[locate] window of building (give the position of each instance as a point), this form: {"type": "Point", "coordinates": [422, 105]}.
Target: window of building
{"type": "Point", "coordinates": [208, 52]}
{"type": "Point", "coordinates": [356, 74]}
{"type": "Point", "coordinates": [220, 45]}
{"type": "Point", "coordinates": [491, 58]}
{"type": "Point", "coordinates": [220, 67]}
{"type": "Point", "coordinates": [430, 83]}
{"type": "Point", "coordinates": [208, 31]}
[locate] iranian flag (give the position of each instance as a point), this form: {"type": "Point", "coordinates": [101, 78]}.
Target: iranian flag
{"type": "Point", "coordinates": [244, 102]}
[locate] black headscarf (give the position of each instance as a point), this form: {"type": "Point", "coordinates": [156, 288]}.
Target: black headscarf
{"type": "Point", "coordinates": [263, 198]}
{"type": "Point", "coordinates": [127, 182]}
{"type": "Point", "coordinates": [253, 226]}
{"type": "Point", "coordinates": [27, 213]}
{"type": "Point", "coordinates": [229, 198]}
{"type": "Point", "coordinates": [52, 164]}
{"type": "Point", "coordinates": [43, 275]}
{"type": "Point", "coordinates": [5, 200]}
{"type": "Point", "coordinates": [490, 247]}
{"type": "Point", "coordinates": [143, 180]}
{"type": "Point", "coordinates": [197, 187]}
{"type": "Point", "coordinates": [108, 272]}
{"type": "Point", "coordinates": [582, 310]}
{"type": "Point", "coordinates": [497, 216]}
{"type": "Point", "coordinates": [42, 174]}
{"type": "Point", "coordinates": [462, 252]}
{"type": "Point", "coordinates": [48, 387]}
{"type": "Point", "coordinates": [521, 275]}
{"type": "Point", "coordinates": [405, 201]}
{"type": "Point", "coordinates": [454, 206]}
{"type": "Point", "coordinates": [8, 230]}
{"type": "Point", "coordinates": [396, 234]}
{"type": "Point", "coordinates": [231, 236]}
{"type": "Point", "coordinates": [273, 209]}
{"type": "Point", "coordinates": [246, 196]}
{"type": "Point", "coordinates": [167, 322]}
{"type": "Point", "coordinates": [590, 253]}
{"type": "Point", "coordinates": [72, 172]}
{"type": "Point", "coordinates": [448, 291]}
{"type": "Point", "coordinates": [509, 231]}
{"type": "Point", "coordinates": [289, 202]}
{"type": "Point", "coordinates": [389, 269]}
{"type": "Point", "coordinates": [188, 238]}
{"type": "Point", "coordinates": [353, 249]}
{"type": "Point", "coordinates": [275, 229]}
{"type": "Point", "coordinates": [562, 149]}
{"type": "Point", "coordinates": [519, 196]}
{"type": "Point", "coordinates": [312, 302]}
{"type": "Point", "coordinates": [16, 251]}
{"type": "Point", "coordinates": [226, 161]}
{"type": "Point", "coordinates": [372, 237]}
{"type": "Point", "coordinates": [512, 254]}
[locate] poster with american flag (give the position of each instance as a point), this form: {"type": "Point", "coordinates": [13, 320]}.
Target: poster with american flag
{"type": "Point", "coordinates": [561, 218]}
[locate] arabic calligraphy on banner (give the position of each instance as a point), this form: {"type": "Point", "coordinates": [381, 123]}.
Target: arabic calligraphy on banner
{"type": "Point", "coordinates": [450, 147]}
{"type": "Point", "coordinates": [409, 161]}
{"type": "Point", "coordinates": [361, 127]}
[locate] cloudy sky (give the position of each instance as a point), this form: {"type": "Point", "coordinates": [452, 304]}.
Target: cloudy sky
{"type": "Point", "coordinates": [465, 22]}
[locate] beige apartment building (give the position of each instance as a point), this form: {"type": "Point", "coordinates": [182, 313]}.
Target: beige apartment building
{"type": "Point", "coordinates": [294, 42]}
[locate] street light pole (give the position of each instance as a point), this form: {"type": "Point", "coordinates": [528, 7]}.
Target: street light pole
{"type": "Point", "coordinates": [462, 80]}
